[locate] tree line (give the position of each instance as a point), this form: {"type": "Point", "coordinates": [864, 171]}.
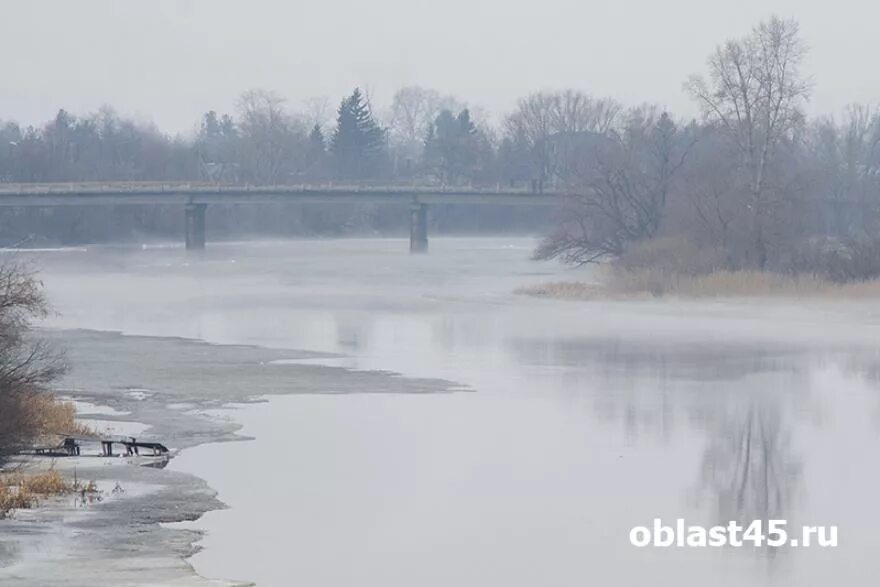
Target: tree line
{"type": "Point", "coordinates": [753, 183]}
{"type": "Point", "coordinates": [425, 138]}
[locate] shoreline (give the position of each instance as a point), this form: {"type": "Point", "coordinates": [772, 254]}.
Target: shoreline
{"type": "Point", "coordinates": [625, 285]}
{"type": "Point", "coordinates": [126, 539]}
{"type": "Point", "coordinates": [150, 497]}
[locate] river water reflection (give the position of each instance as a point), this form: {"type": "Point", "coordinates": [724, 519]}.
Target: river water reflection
{"type": "Point", "coordinates": [577, 421]}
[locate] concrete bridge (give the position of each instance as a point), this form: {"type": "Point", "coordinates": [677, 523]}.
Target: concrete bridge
{"type": "Point", "coordinates": [194, 198]}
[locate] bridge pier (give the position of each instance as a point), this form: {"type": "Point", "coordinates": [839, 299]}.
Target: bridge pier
{"type": "Point", "coordinates": [195, 227]}
{"type": "Point", "coordinates": [418, 228]}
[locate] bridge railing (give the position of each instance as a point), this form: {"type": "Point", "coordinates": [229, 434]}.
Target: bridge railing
{"type": "Point", "coordinates": [207, 187]}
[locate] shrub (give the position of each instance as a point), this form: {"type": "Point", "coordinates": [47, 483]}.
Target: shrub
{"type": "Point", "coordinates": [36, 417]}
{"type": "Point", "coordinates": [573, 290]}
{"type": "Point", "coordinates": [839, 260]}
{"type": "Point", "coordinates": [13, 498]}
{"type": "Point", "coordinates": [718, 284]}
{"type": "Point", "coordinates": [23, 491]}
{"type": "Point", "coordinates": [27, 365]}
{"type": "Point", "coordinates": [671, 256]}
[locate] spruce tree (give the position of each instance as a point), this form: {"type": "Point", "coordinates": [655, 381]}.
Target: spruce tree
{"type": "Point", "coordinates": [451, 146]}
{"type": "Point", "coordinates": [358, 143]}
{"type": "Point", "coordinates": [316, 153]}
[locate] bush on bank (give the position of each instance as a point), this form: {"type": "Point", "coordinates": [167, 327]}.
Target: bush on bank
{"type": "Point", "coordinates": [677, 267]}
{"type": "Point", "coordinates": [28, 412]}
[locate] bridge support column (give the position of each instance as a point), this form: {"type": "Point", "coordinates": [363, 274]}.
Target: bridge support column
{"type": "Point", "coordinates": [418, 228]}
{"type": "Point", "coordinates": [195, 227]}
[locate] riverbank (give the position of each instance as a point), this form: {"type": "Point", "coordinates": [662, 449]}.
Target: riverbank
{"type": "Point", "coordinates": [123, 537]}
{"type": "Point", "coordinates": [622, 284]}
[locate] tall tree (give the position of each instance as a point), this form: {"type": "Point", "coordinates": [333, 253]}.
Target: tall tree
{"type": "Point", "coordinates": [413, 110]}
{"type": "Point", "coordinates": [532, 121]}
{"type": "Point", "coordinates": [316, 153]}
{"type": "Point", "coordinates": [358, 143]}
{"type": "Point", "coordinates": [551, 124]}
{"type": "Point", "coordinates": [756, 94]}
{"type": "Point", "coordinates": [216, 146]}
{"type": "Point", "coordinates": [269, 137]}
{"type": "Point", "coordinates": [451, 146]}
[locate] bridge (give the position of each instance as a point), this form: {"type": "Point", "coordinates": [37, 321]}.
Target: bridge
{"type": "Point", "coordinates": [194, 198]}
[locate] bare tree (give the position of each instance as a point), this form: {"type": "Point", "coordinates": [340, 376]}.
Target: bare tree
{"type": "Point", "coordinates": [27, 364]}
{"type": "Point", "coordinates": [756, 94]}
{"type": "Point", "coordinates": [533, 121]}
{"type": "Point", "coordinates": [574, 114]}
{"type": "Point", "coordinates": [413, 110]}
{"type": "Point", "coordinates": [318, 111]}
{"type": "Point", "coordinates": [268, 135]}
{"type": "Point", "coordinates": [620, 187]}
{"type": "Point", "coordinates": [552, 122]}
{"type": "Point", "coordinates": [850, 151]}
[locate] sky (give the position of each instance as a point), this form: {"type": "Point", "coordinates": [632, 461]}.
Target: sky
{"type": "Point", "coordinates": [168, 61]}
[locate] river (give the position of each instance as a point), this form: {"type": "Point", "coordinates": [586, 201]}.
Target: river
{"type": "Point", "coordinates": [566, 423]}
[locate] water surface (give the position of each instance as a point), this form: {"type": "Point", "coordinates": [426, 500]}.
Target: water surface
{"type": "Point", "coordinates": [579, 420]}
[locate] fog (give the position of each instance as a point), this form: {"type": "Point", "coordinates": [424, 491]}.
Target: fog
{"type": "Point", "coordinates": [168, 61]}
{"type": "Point", "coordinates": [407, 293]}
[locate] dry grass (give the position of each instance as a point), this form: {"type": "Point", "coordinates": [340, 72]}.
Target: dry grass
{"type": "Point", "coordinates": [52, 416]}
{"type": "Point", "coordinates": [13, 498]}
{"type": "Point", "coordinates": [24, 491]}
{"type": "Point", "coordinates": [40, 418]}
{"type": "Point", "coordinates": [36, 417]}
{"type": "Point", "coordinates": [571, 290]}
{"type": "Point", "coordinates": [642, 283]}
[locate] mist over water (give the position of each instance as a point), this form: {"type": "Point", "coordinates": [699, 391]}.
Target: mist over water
{"type": "Point", "coordinates": [579, 420]}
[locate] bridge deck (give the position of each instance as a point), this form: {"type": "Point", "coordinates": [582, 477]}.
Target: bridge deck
{"type": "Point", "coordinates": [111, 193]}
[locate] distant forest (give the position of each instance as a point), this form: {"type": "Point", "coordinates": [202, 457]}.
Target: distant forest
{"type": "Point", "coordinates": [428, 139]}
{"type": "Point", "coordinates": [753, 183]}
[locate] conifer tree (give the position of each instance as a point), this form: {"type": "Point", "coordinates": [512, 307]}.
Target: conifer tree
{"type": "Point", "coordinates": [451, 146]}
{"type": "Point", "coordinates": [316, 153]}
{"type": "Point", "coordinates": [358, 143]}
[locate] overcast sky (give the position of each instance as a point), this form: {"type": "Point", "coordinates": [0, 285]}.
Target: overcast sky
{"type": "Point", "coordinates": [168, 61]}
